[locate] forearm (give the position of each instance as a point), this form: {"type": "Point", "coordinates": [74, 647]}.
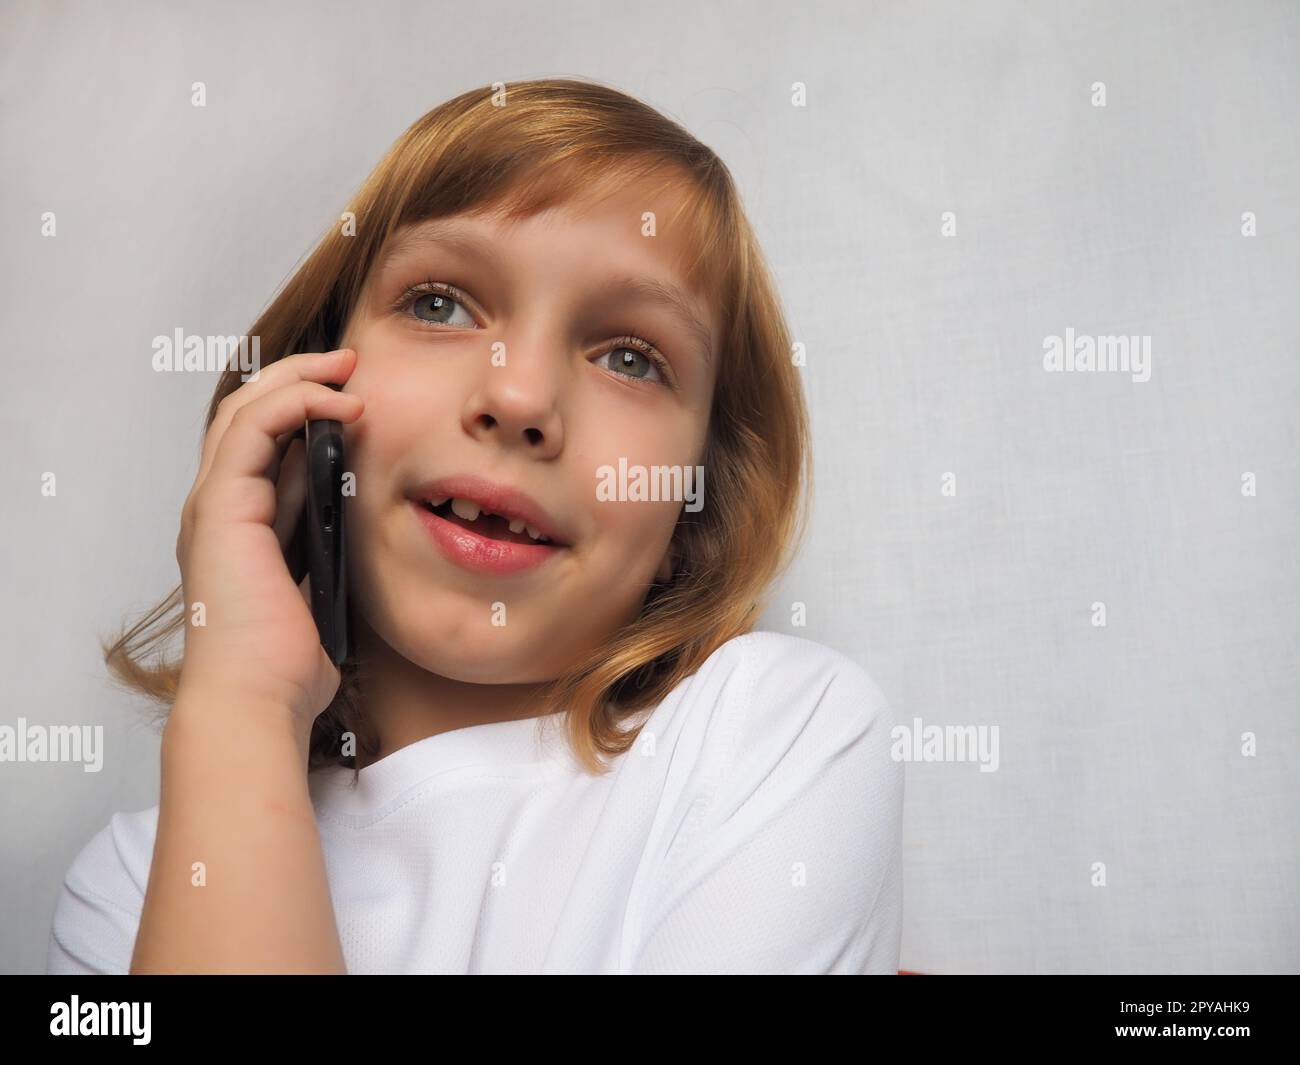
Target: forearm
{"type": "Point", "coordinates": [234, 797]}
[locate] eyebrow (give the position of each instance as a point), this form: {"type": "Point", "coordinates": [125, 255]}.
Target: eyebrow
{"type": "Point", "coordinates": [446, 234]}
{"type": "Point", "coordinates": [643, 289]}
{"type": "Point", "coordinates": [671, 298]}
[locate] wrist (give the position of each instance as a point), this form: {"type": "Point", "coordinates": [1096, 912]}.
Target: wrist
{"type": "Point", "coordinates": [224, 717]}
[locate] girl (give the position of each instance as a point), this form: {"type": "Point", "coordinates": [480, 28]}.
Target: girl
{"type": "Point", "coordinates": [558, 745]}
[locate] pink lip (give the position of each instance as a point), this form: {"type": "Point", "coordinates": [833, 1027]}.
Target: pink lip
{"type": "Point", "coordinates": [481, 553]}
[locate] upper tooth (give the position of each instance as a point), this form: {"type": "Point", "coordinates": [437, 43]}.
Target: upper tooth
{"type": "Point", "coordinates": [464, 508]}
{"type": "Point", "coordinates": [470, 511]}
{"type": "Point", "coordinates": [438, 502]}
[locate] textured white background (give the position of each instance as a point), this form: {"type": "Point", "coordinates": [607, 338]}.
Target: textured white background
{"type": "Point", "coordinates": [1118, 745]}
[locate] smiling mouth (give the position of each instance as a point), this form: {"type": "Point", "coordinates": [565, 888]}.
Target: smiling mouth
{"type": "Point", "coordinates": [492, 526]}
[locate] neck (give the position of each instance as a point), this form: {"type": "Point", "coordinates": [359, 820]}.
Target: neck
{"type": "Point", "coordinates": [406, 703]}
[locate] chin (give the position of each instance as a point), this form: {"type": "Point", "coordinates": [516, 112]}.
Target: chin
{"type": "Point", "coordinates": [461, 644]}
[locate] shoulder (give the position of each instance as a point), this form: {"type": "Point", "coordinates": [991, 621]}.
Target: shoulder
{"type": "Point", "coordinates": [774, 724]}
{"type": "Point", "coordinates": [98, 908]}
{"type": "Point", "coordinates": [769, 697]}
{"type": "Point", "coordinates": [781, 841]}
{"type": "Point", "coordinates": [792, 680]}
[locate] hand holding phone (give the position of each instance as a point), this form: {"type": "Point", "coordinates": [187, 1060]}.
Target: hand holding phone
{"type": "Point", "coordinates": [251, 637]}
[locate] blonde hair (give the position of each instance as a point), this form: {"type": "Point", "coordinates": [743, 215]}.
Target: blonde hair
{"type": "Point", "coordinates": [551, 138]}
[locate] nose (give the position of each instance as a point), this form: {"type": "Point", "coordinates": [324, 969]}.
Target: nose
{"type": "Point", "coordinates": [517, 403]}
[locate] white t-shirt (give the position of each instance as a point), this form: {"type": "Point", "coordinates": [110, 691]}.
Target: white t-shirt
{"type": "Point", "coordinates": [755, 826]}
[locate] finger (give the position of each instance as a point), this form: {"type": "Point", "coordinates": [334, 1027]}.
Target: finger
{"type": "Point", "coordinates": [236, 488]}
{"type": "Point", "coordinates": [332, 367]}
{"type": "Point", "coordinates": [329, 368]}
{"type": "Point", "coordinates": [290, 492]}
{"type": "Point", "coordinates": [282, 444]}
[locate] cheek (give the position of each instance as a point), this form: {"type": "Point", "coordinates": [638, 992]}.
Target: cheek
{"type": "Point", "coordinates": [612, 451]}
{"type": "Point", "coordinates": [631, 517]}
{"type": "Point", "coordinates": [401, 412]}
{"type": "Point", "coordinates": [637, 527]}
{"type": "Point", "coordinates": [604, 433]}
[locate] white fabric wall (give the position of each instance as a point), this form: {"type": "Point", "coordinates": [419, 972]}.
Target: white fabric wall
{"type": "Point", "coordinates": [1120, 745]}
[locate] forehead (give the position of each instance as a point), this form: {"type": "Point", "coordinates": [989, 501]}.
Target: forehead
{"type": "Point", "coordinates": [636, 215]}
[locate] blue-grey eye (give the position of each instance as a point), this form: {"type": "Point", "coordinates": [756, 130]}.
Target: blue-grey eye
{"type": "Point", "coordinates": [632, 363]}
{"type": "Point", "coordinates": [439, 309]}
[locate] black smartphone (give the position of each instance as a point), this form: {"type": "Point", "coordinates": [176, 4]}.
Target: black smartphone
{"type": "Point", "coordinates": [325, 544]}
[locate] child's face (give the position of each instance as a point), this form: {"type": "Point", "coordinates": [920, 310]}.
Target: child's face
{"type": "Point", "coordinates": [439, 404]}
